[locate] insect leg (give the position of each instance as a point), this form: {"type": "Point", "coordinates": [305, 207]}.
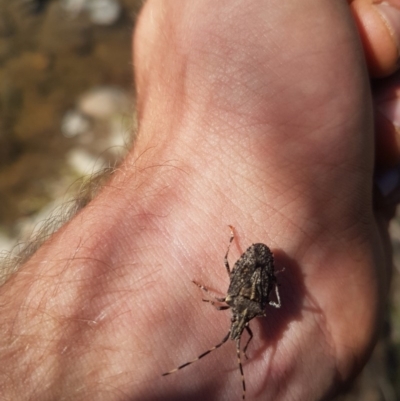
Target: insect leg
{"type": "Point", "coordinates": [248, 341]}
{"type": "Point", "coordinates": [240, 367]}
{"type": "Point", "coordinates": [205, 289]}
{"type": "Point", "coordinates": [199, 357]}
{"type": "Point", "coordinates": [221, 307]}
{"type": "Point", "coordinates": [228, 269]}
{"type": "Point", "coordinates": [276, 304]}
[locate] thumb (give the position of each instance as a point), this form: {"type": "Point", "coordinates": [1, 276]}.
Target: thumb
{"type": "Point", "coordinates": [378, 22]}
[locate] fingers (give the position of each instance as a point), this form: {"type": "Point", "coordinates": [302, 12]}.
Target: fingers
{"type": "Point", "coordinates": [378, 22]}
{"type": "Point", "coordinates": [387, 120]}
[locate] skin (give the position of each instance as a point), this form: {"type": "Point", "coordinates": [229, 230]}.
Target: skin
{"type": "Point", "coordinates": [247, 118]}
{"type": "Point", "coordinates": [379, 44]}
{"type": "Point", "coordinates": [382, 56]}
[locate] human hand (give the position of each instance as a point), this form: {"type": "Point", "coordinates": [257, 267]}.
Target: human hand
{"type": "Point", "coordinates": [258, 116]}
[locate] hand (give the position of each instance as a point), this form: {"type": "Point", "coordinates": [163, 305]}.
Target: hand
{"type": "Point", "coordinates": [256, 115]}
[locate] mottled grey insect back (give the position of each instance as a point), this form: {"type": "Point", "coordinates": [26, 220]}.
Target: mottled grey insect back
{"type": "Point", "coordinates": [252, 280]}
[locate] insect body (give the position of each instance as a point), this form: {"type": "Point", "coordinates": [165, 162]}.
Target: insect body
{"type": "Point", "coordinates": [252, 280]}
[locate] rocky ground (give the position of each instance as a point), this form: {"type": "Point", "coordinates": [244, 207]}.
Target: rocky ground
{"type": "Point", "coordinates": [66, 102]}
{"type": "Point", "coordinates": [66, 98]}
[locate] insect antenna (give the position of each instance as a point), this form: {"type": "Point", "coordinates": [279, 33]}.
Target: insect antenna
{"type": "Point", "coordinates": [240, 367]}
{"type": "Point", "coordinates": [225, 339]}
{"type": "Point", "coordinates": [248, 341]}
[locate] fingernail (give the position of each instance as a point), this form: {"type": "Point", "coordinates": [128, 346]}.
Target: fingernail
{"type": "Point", "coordinates": [390, 108]}
{"type": "Point", "coordinates": [390, 12]}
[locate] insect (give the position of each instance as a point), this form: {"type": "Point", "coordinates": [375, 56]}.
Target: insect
{"type": "Point", "coordinates": [251, 281]}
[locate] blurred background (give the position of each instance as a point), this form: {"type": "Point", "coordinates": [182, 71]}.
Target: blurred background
{"type": "Point", "coordinates": [67, 111]}
{"type": "Point", "coordinates": [66, 101]}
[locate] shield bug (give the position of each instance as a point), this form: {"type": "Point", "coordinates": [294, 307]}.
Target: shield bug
{"type": "Point", "coordinates": [252, 280]}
